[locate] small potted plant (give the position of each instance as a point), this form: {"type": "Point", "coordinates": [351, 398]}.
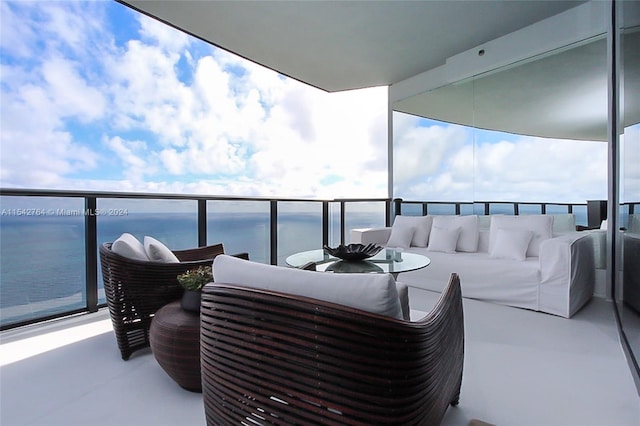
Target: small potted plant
{"type": "Point", "coordinates": [193, 280]}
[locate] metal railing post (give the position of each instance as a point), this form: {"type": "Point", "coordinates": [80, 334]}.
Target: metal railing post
{"type": "Point", "coordinates": [397, 206]}
{"type": "Point", "coordinates": [273, 231]}
{"type": "Point", "coordinates": [202, 223]}
{"type": "Point", "coordinates": [91, 253]}
{"type": "Point", "coordinates": [325, 223]}
{"type": "Point", "coordinates": [342, 221]}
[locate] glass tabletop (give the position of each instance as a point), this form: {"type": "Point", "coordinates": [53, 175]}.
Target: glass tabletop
{"type": "Point", "coordinates": [387, 261]}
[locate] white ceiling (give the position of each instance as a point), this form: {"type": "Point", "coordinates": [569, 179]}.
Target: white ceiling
{"type": "Point", "coordinates": [341, 45]}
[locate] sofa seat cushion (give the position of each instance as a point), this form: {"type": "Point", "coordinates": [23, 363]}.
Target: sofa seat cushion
{"type": "Point", "coordinates": [374, 293]}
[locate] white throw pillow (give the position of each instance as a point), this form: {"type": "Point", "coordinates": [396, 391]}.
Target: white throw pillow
{"type": "Point", "coordinates": [468, 224]}
{"type": "Point", "coordinates": [400, 237]}
{"type": "Point", "coordinates": [375, 293]}
{"type": "Point", "coordinates": [511, 244]}
{"type": "Point", "coordinates": [421, 226]}
{"type": "Point", "coordinates": [443, 239]}
{"type": "Point", "coordinates": [128, 246]}
{"type": "Point", "coordinates": [158, 252]}
{"type": "Point", "coordinates": [540, 225]}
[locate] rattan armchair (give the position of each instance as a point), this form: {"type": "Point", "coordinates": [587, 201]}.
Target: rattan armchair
{"type": "Point", "coordinates": [271, 358]}
{"type": "Point", "coordinates": [136, 289]}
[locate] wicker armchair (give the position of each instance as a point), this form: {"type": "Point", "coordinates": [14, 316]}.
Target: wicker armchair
{"type": "Point", "coordinates": [136, 289]}
{"type": "Point", "coordinates": [272, 358]}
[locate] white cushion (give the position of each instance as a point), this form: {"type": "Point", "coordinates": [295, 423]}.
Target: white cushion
{"type": "Point", "coordinates": [443, 239]}
{"type": "Point", "coordinates": [511, 244]}
{"type": "Point", "coordinates": [403, 296]}
{"type": "Point", "coordinates": [158, 252]}
{"type": "Point", "coordinates": [468, 240]}
{"type": "Point", "coordinates": [421, 226]}
{"type": "Point", "coordinates": [128, 246]}
{"type": "Point", "coordinates": [375, 293]}
{"type": "Point", "coordinates": [400, 237]}
{"type": "Point", "coordinates": [540, 225]}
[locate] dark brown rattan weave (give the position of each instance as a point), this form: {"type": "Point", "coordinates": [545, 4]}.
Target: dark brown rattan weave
{"type": "Point", "coordinates": [271, 358]}
{"type": "Point", "coordinates": [174, 337]}
{"type": "Point", "coordinates": [136, 289]}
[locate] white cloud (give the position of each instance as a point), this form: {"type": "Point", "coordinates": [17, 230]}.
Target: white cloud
{"type": "Point", "coordinates": [225, 125]}
{"type": "Point", "coordinates": [69, 93]}
{"type": "Point", "coordinates": [161, 35]}
{"type": "Point", "coordinates": [439, 163]}
{"type": "Point", "coordinates": [537, 169]}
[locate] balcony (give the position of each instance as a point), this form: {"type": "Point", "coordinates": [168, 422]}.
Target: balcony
{"type": "Point", "coordinates": [60, 363]}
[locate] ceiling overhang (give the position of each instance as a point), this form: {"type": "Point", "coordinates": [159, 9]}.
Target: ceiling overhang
{"type": "Point", "coordinates": [343, 45]}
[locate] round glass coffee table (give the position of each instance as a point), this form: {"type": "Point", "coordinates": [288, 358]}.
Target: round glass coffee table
{"type": "Point", "coordinates": [387, 261]}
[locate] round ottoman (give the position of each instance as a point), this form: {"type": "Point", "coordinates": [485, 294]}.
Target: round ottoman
{"type": "Point", "coordinates": [174, 337]}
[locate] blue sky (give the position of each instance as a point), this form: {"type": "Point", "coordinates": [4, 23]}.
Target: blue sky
{"type": "Point", "coordinates": [98, 97]}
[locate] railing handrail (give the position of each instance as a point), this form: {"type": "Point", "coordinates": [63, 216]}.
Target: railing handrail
{"type": "Point", "coordinates": [160, 195]}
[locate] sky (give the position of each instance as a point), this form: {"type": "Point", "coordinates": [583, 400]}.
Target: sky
{"type": "Point", "coordinates": [98, 97]}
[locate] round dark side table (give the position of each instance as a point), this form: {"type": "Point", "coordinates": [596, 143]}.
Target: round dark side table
{"type": "Point", "coordinates": [174, 337]}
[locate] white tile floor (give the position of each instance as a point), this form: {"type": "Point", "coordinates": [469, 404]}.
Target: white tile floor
{"type": "Point", "coordinates": [521, 368]}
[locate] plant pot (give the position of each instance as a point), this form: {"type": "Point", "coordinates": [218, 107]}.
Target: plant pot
{"type": "Point", "coordinates": [191, 300]}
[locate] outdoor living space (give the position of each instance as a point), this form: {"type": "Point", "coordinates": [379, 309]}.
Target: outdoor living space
{"type": "Point", "coordinates": [277, 128]}
{"type": "Point", "coordinates": [520, 368]}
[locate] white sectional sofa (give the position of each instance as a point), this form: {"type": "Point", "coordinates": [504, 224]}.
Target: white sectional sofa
{"type": "Point", "coordinates": [536, 262]}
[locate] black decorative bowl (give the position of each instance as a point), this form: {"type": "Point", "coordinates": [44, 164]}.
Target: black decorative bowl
{"type": "Point", "coordinates": [353, 251]}
{"type": "Point", "coordinates": [351, 266]}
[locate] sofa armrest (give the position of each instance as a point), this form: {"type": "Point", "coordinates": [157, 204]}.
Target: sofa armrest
{"type": "Point", "coordinates": [567, 273]}
{"type": "Point", "coordinates": [370, 235]}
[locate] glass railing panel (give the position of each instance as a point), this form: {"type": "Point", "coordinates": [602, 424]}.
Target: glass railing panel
{"type": "Point", "coordinates": [242, 226]}
{"type": "Point", "coordinates": [42, 243]}
{"type": "Point", "coordinates": [529, 209]}
{"type": "Point", "coordinates": [580, 212]}
{"type": "Point", "coordinates": [335, 209]}
{"type": "Point", "coordinates": [365, 215]}
{"type": "Point", "coordinates": [557, 208]}
{"type": "Point", "coordinates": [172, 222]}
{"type": "Point", "coordinates": [412, 209]}
{"type": "Point", "coordinates": [501, 208]}
{"type": "Point", "coordinates": [441, 209]}
{"type": "Point", "coordinates": [299, 228]}
{"type": "Point", "coordinates": [467, 209]}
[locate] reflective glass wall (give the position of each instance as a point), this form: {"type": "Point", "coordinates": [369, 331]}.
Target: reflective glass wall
{"type": "Point", "coordinates": [536, 129]}
{"type": "Point", "coordinates": [627, 280]}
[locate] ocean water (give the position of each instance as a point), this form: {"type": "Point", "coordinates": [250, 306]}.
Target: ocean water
{"type": "Point", "coordinates": [42, 264]}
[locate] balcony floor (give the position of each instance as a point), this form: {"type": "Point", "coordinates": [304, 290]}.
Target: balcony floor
{"type": "Point", "coordinates": [521, 368]}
